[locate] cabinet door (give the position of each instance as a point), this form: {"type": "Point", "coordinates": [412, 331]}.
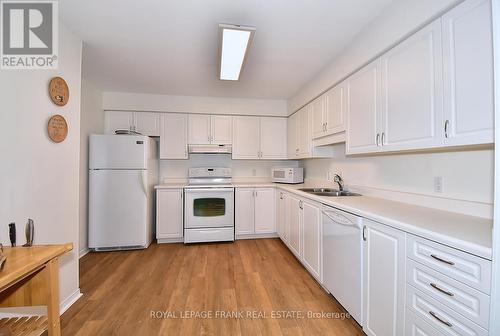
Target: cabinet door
{"type": "Point", "coordinates": [273, 144]}
{"type": "Point", "coordinates": [245, 211]}
{"type": "Point", "coordinates": [118, 120]}
{"type": "Point", "coordinates": [412, 111]}
{"type": "Point", "coordinates": [318, 107]}
{"type": "Point", "coordinates": [221, 129]}
{"type": "Point", "coordinates": [294, 213]}
{"type": "Point", "coordinates": [304, 134]}
{"type": "Point", "coordinates": [280, 214]}
{"type": "Point", "coordinates": [169, 213]}
{"type": "Point", "coordinates": [335, 111]}
{"type": "Point", "coordinates": [199, 129]}
{"type": "Point", "coordinates": [312, 238]}
{"type": "Point", "coordinates": [292, 133]}
{"type": "Point", "coordinates": [173, 136]}
{"type": "Point", "coordinates": [363, 95]}
{"type": "Point", "coordinates": [147, 123]}
{"type": "Point", "coordinates": [384, 280]}
{"type": "Point", "coordinates": [246, 137]}
{"type": "Point", "coordinates": [468, 73]}
{"type": "Point", "coordinates": [265, 210]}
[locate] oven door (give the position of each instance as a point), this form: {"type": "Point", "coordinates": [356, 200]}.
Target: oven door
{"type": "Point", "coordinates": [209, 207]}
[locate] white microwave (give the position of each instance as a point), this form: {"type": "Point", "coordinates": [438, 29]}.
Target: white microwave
{"type": "Point", "coordinates": [288, 175]}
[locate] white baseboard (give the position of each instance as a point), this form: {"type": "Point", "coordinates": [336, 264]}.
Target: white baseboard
{"type": "Point", "coordinates": [169, 240]}
{"type": "Point", "coordinates": [257, 236]}
{"type": "Point", "coordinates": [83, 252]}
{"type": "Point", "coordinates": [68, 302]}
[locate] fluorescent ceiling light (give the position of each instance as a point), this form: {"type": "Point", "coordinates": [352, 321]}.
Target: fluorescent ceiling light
{"type": "Point", "coordinates": [235, 41]}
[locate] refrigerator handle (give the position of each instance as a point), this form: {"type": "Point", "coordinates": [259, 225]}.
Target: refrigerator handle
{"type": "Point", "coordinates": [143, 181]}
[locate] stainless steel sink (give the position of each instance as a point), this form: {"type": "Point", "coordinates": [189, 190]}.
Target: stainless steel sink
{"type": "Point", "coordinates": [328, 192]}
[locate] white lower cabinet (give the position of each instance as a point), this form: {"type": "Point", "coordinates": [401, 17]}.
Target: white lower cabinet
{"type": "Point", "coordinates": [255, 211]}
{"type": "Point", "coordinates": [416, 326]}
{"type": "Point", "coordinates": [293, 212]}
{"type": "Point", "coordinates": [312, 238]}
{"type": "Point", "coordinates": [281, 223]}
{"type": "Point", "coordinates": [169, 214]}
{"type": "Point", "coordinates": [384, 280]}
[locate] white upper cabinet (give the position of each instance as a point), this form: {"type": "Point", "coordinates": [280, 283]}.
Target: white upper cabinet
{"type": "Point", "coordinates": [335, 111]}
{"type": "Point", "coordinates": [468, 73]}
{"type": "Point", "coordinates": [147, 123]}
{"type": "Point", "coordinates": [199, 129]}
{"type": "Point", "coordinates": [246, 142]}
{"type": "Point", "coordinates": [209, 129]}
{"type": "Point", "coordinates": [304, 132]}
{"type": "Point", "coordinates": [118, 120]}
{"type": "Point", "coordinates": [363, 105]}
{"type": "Point", "coordinates": [221, 129]}
{"type": "Point", "coordinates": [273, 144]}
{"type": "Point", "coordinates": [259, 138]}
{"type": "Point", "coordinates": [318, 116]}
{"type": "Point", "coordinates": [173, 136]}
{"type": "Point", "coordinates": [292, 136]}
{"type": "Point", "coordinates": [412, 100]}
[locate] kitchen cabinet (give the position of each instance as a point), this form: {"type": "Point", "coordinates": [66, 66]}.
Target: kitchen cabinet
{"type": "Point", "coordinates": [169, 214]}
{"type": "Point", "coordinates": [312, 237]}
{"type": "Point", "coordinates": [384, 280]}
{"type": "Point", "coordinates": [282, 227]}
{"type": "Point", "coordinates": [363, 105]}
{"type": "Point", "coordinates": [293, 214]}
{"type": "Point", "coordinates": [292, 124]}
{"type": "Point", "coordinates": [173, 136]}
{"type": "Point", "coordinates": [329, 112]}
{"type": "Point", "coordinates": [255, 211]}
{"type": "Point", "coordinates": [411, 115]}
{"type": "Point", "coordinates": [147, 123]}
{"type": "Point", "coordinates": [209, 129]}
{"type": "Point", "coordinates": [468, 74]}
{"type": "Point", "coordinates": [259, 138]}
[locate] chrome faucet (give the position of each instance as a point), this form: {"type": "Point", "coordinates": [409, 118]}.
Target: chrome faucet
{"type": "Point", "coordinates": [337, 179]}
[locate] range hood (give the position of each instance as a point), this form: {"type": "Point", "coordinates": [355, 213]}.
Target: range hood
{"type": "Point", "coordinates": [210, 149]}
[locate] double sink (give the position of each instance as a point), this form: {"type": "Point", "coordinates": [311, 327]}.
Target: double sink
{"type": "Point", "coordinates": [328, 192]}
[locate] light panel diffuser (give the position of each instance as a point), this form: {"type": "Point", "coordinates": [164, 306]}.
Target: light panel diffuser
{"type": "Point", "coordinates": [235, 41]}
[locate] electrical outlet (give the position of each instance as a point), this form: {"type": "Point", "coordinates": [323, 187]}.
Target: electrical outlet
{"type": "Point", "coordinates": [438, 184]}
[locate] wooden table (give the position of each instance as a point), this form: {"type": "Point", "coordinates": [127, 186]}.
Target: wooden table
{"type": "Point", "coordinates": [31, 278]}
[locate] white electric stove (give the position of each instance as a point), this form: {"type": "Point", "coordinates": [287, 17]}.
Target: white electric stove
{"type": "Point", "coordinates": [209, 206]}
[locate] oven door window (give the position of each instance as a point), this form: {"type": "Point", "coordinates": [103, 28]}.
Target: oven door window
{"type": "Point", "coordinates": [209, 207]}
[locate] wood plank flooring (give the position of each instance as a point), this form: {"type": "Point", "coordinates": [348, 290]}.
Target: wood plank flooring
{"type": "Point", "coordinates": [259, 279]}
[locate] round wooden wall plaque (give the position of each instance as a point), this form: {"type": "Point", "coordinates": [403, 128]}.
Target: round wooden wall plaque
{"type": "Point", "coordinates": [57, 128]}
{"type": "Point", "coordinates": [59, 91]}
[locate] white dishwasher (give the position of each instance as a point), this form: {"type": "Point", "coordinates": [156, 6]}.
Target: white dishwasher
{"type": "Point", "coordinates": [343, 259]}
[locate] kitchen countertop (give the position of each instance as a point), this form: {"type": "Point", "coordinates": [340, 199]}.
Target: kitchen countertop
{"type": "Point", "coordinates": [464, 232]}
{"type": "Point", "coordinates": [468, 233]}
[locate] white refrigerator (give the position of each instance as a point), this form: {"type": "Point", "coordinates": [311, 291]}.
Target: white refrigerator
{"type": "Point", "coordinates": [123, 170]}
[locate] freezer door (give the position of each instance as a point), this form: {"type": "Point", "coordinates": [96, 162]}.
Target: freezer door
{"type": "Point", "coordinates": [117, 208]}
{"type": "Point", "coordinates": [118, 151]}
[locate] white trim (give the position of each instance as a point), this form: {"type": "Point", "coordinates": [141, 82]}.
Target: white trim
{"type": "Point", "coordinates": [257, 236]}
{"type": "Point", "coordinates": [169, 240]}
{"type": "Point", "coordinates": [495, 282]}
{"type": "Point", "coordinates": [68, 302]}
{"type": "Point", "coordinates": [83, 252]}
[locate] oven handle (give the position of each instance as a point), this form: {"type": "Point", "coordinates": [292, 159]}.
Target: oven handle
{"type": "Point", "coordinates": [190, 190]}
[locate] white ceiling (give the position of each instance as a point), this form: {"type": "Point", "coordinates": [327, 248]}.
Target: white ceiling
{"type": "Point", "coordinates": [171, 46]}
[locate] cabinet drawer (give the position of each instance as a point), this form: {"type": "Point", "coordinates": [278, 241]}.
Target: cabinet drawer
{"type": "Point", "coordinates": [440, 317]}
{"type": "Point", "coordinates": [415, 326]}
{"type": "Point", "coordinates": [463, 299]}
{"type": "Point", "coordinates": [464, 267]}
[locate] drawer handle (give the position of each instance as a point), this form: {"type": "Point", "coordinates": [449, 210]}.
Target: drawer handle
{"type": "Point", "coordinates": [442, 260]}
{"type": "Point", "coordinates": [441, 290]}
{"type": "Point", "coordinates": [446, 323]}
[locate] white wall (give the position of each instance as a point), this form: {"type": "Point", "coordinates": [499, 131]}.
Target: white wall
{"type": "Point", "coordinates": [91, 121]}
{"type": "Point", "coordinates": [467, 177]}
{"type": "Point", "coordinates": [189, 104]}
{"type": "Point", "coordinates": [39, 178]}
{"type": "Point", "coordinates": [243, 170]}
{"type": "Point", "coordinates": [395, 22]}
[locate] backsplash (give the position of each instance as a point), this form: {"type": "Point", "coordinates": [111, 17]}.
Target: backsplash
{"type": "Point", "coordinates": [243, 170]}
{"type": "Point", "coordinates": [467, 177]}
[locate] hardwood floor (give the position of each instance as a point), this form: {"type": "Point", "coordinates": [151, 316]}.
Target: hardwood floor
{"type": "Point", "coordinates": [260, 279]}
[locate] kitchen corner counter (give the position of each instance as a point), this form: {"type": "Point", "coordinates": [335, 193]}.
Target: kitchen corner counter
{"type": "Point", "coordinates": [171, 186]}
{"type": "Point", "coordinates": [254, 184]}
{"type": "Point", "coordinates": [464, 232]}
